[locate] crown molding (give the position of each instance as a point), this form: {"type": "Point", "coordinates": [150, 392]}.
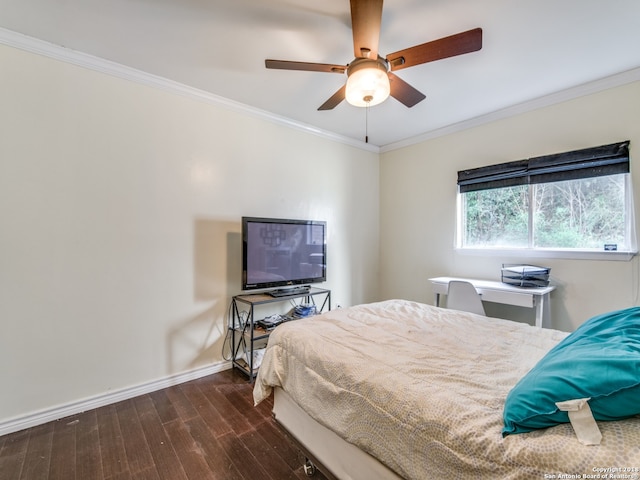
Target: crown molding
{"type": "Point", "coordinates": [57, 52]}
{"type": "Point", "coordinates": [617, 80]}
{"type": "Point", "coordinates": [74, 57]}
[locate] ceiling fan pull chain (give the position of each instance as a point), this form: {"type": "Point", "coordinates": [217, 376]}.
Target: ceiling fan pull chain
{"type": "Point", "coordinates": [366, 123]}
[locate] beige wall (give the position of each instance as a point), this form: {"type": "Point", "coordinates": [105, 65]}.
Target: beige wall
{"type": "Point", "coordinates": [120, 212]}
{"type": "Point", "coordinates": [120, 226]}
{"type": "Point", "coordinates": [418, 195]}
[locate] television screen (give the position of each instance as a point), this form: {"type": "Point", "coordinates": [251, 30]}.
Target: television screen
{"type": "Point", "coordinates": [280, 253]}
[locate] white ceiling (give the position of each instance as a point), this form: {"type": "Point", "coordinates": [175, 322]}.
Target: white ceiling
{"type": "Point", "coordinates": [531, 48]}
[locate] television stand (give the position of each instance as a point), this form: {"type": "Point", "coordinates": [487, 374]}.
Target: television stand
{"type": "Point", "coordinates": [246, 334]}
{"type": "Point", "coordinates": [285, 292]}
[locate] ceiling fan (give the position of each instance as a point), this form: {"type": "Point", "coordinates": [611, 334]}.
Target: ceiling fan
{"type": "Point", "coordinates": [369, 76]}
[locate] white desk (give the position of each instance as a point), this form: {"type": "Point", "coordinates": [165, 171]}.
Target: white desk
{"type": "Point", "coordinates": [499, 292]}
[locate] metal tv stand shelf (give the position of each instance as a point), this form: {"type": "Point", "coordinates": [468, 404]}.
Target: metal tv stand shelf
{"type": "Point", "coordinates": [245, 332]}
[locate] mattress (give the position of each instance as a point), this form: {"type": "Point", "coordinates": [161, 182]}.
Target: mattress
{"type": "Point", "coordinates": [347, 461]}
{"type": "Point", "coordinates": [422, 390]}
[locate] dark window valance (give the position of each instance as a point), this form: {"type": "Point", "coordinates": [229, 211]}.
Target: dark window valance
{"type": "Point", "coordinates": [585, 163]}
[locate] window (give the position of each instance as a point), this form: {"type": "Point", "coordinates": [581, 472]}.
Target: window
{"type": "Point", "coordinates": [577, 201]}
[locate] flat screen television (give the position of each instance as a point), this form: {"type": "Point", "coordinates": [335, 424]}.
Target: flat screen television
{"type": "Point", "coordinates": [279, 253]}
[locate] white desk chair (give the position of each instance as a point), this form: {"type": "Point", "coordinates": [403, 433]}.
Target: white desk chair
{"type": "Point", "coordinates": [464, 296]}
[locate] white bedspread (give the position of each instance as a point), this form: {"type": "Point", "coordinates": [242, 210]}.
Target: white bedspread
{"type": "Point", "coordinates": [422, 389]}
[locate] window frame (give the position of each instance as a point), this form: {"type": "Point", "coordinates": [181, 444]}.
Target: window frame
{"type": "Point", "coordinates": [581, 164]}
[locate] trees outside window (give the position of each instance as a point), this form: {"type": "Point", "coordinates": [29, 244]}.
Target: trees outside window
{"type": "Point", "coordinates": [579, 214]}
{"type": "Point", "coordinates": [573, 201]}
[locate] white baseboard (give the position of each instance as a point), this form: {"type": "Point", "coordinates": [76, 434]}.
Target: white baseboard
{"type": "Point", "coordinates": [73, 408]}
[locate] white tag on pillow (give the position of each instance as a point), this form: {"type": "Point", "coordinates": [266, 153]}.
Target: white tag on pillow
{"type": "Point", "coordinates": [582, 420]}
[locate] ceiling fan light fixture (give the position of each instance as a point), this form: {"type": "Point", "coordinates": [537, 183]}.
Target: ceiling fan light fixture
{"type": "Point", "coordinates": [367, 83]}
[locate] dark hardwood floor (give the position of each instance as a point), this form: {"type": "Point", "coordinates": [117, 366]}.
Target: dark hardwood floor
{"type": "Point", "coordinates": [203, 429]}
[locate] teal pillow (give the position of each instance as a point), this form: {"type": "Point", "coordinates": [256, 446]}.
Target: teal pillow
{"type": "Point", "coordinates": [600, 359]}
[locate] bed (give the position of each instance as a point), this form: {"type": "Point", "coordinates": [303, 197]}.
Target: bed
{"type": "Point", "coordinates": [399, 389]}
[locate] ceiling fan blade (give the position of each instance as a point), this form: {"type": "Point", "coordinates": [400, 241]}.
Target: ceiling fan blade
{"type": "Point", "coordinates": [306, 66]}
{"type": "Point", "coordinates": [335, 99]}
{"type": "Point", "coordinates": [403, 92]}
{"type": "Point", "coordinates": [366, 17]}
{"type": "Point", "coordinates": [465, 42]}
